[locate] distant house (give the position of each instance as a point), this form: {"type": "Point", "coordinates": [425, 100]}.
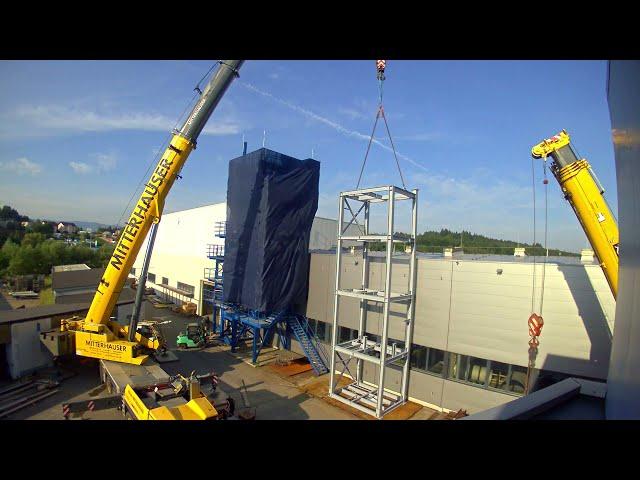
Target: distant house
{"type": "Point", "coordinates": [67, 227]}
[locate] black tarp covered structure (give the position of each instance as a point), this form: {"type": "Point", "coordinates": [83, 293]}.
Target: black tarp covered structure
{"type": "Point", "coordinates": [271, 203]}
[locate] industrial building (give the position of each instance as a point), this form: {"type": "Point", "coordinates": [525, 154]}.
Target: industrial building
{"type": "Point", "coordinates": [74, 283]}
{"type": "Point", "coordinates": [470, 338]}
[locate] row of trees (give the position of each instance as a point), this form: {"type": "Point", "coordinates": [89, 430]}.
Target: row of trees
{"type": "Point", "coordinates": [35, 254]}
{"type": "Point", "coordinates": [435, 241]}
{"type": "Point", "coordinates": [11, 225]}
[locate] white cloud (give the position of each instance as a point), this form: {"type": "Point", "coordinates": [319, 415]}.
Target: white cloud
{"type": "Point", "coordinates": [21, 166]}
{"type": "Point", "coordinates": [274, 76]}
{"type": "Point", "coordinates": [48, 120]}
{"type": "Point", "coordinates": [81, 167]}
{"type": "Point", "coordinates": [106, 162]}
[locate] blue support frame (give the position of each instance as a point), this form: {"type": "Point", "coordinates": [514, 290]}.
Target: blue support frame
{"type": "Point", "coordinates": [238, 324]}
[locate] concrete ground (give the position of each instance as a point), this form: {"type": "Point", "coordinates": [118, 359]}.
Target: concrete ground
{"type": "Point", "coordinates": [275, 394]}
{"type": "Point", "coordinates": [274, 397]}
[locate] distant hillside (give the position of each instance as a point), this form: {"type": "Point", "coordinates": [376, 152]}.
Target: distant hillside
{"type": "Point", "coordinates": [434, 241]}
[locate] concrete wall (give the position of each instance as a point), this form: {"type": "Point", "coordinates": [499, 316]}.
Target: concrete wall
{"type": "Point", "coordinates": [623, 384]}
{"type": "Point", "coordinates": [25, 353]}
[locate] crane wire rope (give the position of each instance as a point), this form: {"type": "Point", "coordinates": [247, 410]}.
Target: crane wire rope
{"type": "Point", "coordinates": [546, 231]}
{"type": "Point", "coordinates": [536, 322]}
{"type": "Point", "coordinates": [165, 142]}
{"type": "Point", "coordinates": [380, 66]}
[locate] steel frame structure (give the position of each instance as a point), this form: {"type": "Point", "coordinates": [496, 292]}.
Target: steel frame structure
{"type": "Point", "coordinates": [374, 400]}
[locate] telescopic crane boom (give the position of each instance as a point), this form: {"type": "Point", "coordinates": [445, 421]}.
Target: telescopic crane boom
{"type": "Point", "coordinates": [96, 335]}
{"type": "Point", "coordinates": [585, 195]}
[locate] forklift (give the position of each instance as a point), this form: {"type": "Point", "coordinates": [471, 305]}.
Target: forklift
{"type": "Point", "coordinates": [197, 335]}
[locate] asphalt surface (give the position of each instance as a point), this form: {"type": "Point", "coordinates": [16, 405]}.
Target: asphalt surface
{"type": "Point", "coordinates": [272, 396]}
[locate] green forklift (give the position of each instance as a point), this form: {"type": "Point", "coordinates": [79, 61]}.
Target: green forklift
{"type": "Point", "coordinates": [196, 336]}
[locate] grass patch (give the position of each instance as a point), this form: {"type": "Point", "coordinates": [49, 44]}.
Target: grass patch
{"type": "Point", "coordinates": [46, 294]}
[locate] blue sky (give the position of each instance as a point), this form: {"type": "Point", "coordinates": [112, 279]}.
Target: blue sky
{"type": "Point", "coordinates": [76, 137]}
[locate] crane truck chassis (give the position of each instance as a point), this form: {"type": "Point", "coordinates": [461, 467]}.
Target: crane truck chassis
{"type": "Point", "coordinates": [147, 392]}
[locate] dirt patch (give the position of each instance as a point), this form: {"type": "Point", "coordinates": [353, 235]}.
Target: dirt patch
{"type": "Point", "coordinates": [296, 367]}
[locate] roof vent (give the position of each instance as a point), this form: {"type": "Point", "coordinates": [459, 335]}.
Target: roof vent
{"type": "Point", "coordinates": [453, 251]}
{"type": "Point", "coordinates": [586, 255]}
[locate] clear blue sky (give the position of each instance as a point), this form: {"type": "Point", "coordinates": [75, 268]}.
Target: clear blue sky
{"type": "Point", "coordinates": [77, 136]}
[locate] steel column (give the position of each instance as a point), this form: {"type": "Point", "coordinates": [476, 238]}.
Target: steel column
{"type": "Point", "coordinates": [387, 292]}
{"type": "Point", "coordinates": [413, 268]}
{"type": "Point", "coordinates": [362, 324]}
{"type": "Point", "coordinates": [334, 332]}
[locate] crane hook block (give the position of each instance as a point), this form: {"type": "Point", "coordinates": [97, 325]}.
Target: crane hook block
{"type": "Point", "coordinates": [380, 66]}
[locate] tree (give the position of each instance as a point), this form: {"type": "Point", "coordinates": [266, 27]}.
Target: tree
{"type": "Point", "coordinates": [32, 239]}
{"type": "Point", "coordinates": [40, 226]}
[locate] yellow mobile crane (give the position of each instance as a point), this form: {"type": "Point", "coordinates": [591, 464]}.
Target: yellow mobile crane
{"type": "Point", "coordinates": [96, 335]}
{"type": "Point", "coordinates": [585, 194]}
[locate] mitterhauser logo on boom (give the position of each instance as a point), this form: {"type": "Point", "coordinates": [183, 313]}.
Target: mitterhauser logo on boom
{"type": "Point", "coordinates": [139, 215]}
{"type": "Point", "coordinates": [108, 346]}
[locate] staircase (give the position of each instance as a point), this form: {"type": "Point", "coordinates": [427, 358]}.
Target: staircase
{"type": "Point", "coordinates": [312, 348]}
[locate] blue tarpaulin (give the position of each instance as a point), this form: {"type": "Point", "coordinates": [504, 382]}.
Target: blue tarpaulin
{"type": "Point", "coordinates": [271, 203]}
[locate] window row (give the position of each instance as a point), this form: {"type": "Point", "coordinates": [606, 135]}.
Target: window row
{"type": "Point", "coordinates": [488, 374]}
{"type": "Point", "coordinates": [479, 372]}
{"type": "Point", "coordinates": [186, 287]}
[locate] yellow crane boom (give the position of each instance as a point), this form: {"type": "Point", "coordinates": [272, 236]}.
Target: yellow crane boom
{"type": "Point", "coordinates": [585, 195]}
{"type": "Point", "coordinates": [96, 335]}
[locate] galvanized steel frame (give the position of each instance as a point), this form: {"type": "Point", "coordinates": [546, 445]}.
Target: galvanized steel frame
{"type": "Point", "coordinates": [373, 400]}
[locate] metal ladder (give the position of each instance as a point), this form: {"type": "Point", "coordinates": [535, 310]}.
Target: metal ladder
{"type": "Point", "coordinates": [311, 350]}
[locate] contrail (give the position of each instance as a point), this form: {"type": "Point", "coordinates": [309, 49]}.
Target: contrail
{"type": "Point", "coordinates": [330, 123]}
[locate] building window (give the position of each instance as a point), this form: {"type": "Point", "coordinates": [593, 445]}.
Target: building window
{"type": "Point", "coordinates": [165, 281]}
{"type": "Point", "coordinates": [321, 331]}
{"type": "Point", "coordinates": [498, 375]}
{"type": "Point", "coordinates": [455, 365]}
{"type": "Point", "coordinates": [477, 372]}
{"type": "Point", "coordinates": [436, 362]}
{"type": "Point", "coordinates": [419, 357]}
{"type": "Point", "coordinates": [151, 277]}
{"type": "Point", "coordinates": [518, 379]}
{"type": "Point", "coordinates": [312, 325]}
{"type": "Point", "coordinates": [186, 287]}
{"type": "Point", "coordinates": [346, 334]}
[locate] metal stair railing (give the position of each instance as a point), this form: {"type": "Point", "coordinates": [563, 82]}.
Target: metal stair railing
{"type": "Point", "coordinates": [315, 341]}
{"type": "Point", "coordinates": [312, 349]}
{"type": "Point", "coordinates": [214, 250]}
{"type": "Point", "coordinates": [220, 229]}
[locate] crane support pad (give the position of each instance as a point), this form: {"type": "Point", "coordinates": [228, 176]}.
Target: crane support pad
{"type": "Point", "coordinates": [271, 203]}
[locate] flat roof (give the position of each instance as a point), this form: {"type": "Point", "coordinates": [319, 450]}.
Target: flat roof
{"type": "Point", "coordinates": [482, 257]}
{"type": "Point", "coordinates": [69, 268]}
{"type": "Point", "coordinates": [45, 311]}
{"type": "Point", "coordinates": [76, 278]}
